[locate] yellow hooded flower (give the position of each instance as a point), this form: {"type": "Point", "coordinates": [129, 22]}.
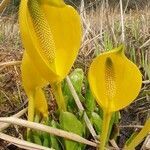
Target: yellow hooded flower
{"type": "Point", "coordinates": [51, 35]}
{"type": "Point", "coordinates": [115, 82]}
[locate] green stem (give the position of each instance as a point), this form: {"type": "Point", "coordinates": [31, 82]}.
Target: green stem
{"type": "Point", "coordinates": [138, 139]}
{"type": "Point", "coordinates": [57, 91]}
{"type": "Point", "coordinates": [105, 128]}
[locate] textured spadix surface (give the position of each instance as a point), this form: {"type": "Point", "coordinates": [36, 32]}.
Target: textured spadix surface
{"type": "Point", "coordinates": [51, 35]}
{"type": "Point", "coordinates": [114, 80]}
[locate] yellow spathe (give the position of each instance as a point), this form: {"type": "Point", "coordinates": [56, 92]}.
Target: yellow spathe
{"type": "Point", "coordinates": [114, 80]}
{"type": "Point", "coordinates": [33, 83]}
{"type": "Point", "coordinates": [51, 35]}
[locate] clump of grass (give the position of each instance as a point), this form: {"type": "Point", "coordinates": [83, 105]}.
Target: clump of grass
{"type": "Point", "coordinates": [102, 26]}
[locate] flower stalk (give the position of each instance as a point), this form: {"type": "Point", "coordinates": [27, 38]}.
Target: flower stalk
{"type": "Point", "coordinates": [57, 91]}
{"type": "Point", "coordinates": [105, 127]}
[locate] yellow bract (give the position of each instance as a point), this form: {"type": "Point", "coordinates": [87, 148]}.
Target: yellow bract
{"type": "Point", "coordinates": [51, 34]}
{"type": "Point", "coordinates": [114, 80]}
{"type": "Point", "coordinates": [33, 83]}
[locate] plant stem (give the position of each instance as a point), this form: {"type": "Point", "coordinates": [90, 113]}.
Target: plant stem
{"type": "Point", "coordinates": [31, 111]}
{"type": "Point", "coordinates": [31, 108]}
{"type": "Point", "coordinates": [105, 128]}
{"type": "Point", "coordinates": [57, 91]}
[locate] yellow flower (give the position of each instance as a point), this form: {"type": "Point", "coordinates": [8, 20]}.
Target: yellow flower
{"type": "Point", "coordinates": [51, 35]}
{"type": "Point", "coordinates": [115, 82]}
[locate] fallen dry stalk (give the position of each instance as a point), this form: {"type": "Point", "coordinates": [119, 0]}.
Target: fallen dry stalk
{"type": "Point", "coordinates": [10, 63]}
{"type": "Point", "coordinates": [131, 126]}
{"type": "Point", "coordinates": [22, 144]}
{"type": "Point", "coordinates": [3, 126]}
{"type": "Point", "coordinates": [44, 128]}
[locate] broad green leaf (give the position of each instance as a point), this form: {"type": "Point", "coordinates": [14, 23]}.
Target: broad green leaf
{"type": "Point", "coordinates": [37, 138]}
{"type": "Point", "coordinates": [113, 129]}
{"type": "Point", "coordinates": [70, 123]}
{"type": "Point", "coordinates": [76, 78]}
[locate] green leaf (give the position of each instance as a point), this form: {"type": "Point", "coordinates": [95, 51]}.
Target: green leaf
{"type": "Point", "coordinates": [53, 139]}
{"type": "Point", "coordinates": [70, 123]}
{"type": "Point", "coordinates": [133, 135]}
{"type": "Point", "coordinates": [76, 78]}
{"type": "Point", "coordinates": [37, 139]}
{"type": "Point", "coordinates": [37, 134]}
{"type": "Point", "coordinates": [45, 135]}
{"type": "Point", "coordinates": [97, 122]}
{"type": "Point", "coordinates": [107, 41]}
{"type": "Point", "coordinates": [89, 100]}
